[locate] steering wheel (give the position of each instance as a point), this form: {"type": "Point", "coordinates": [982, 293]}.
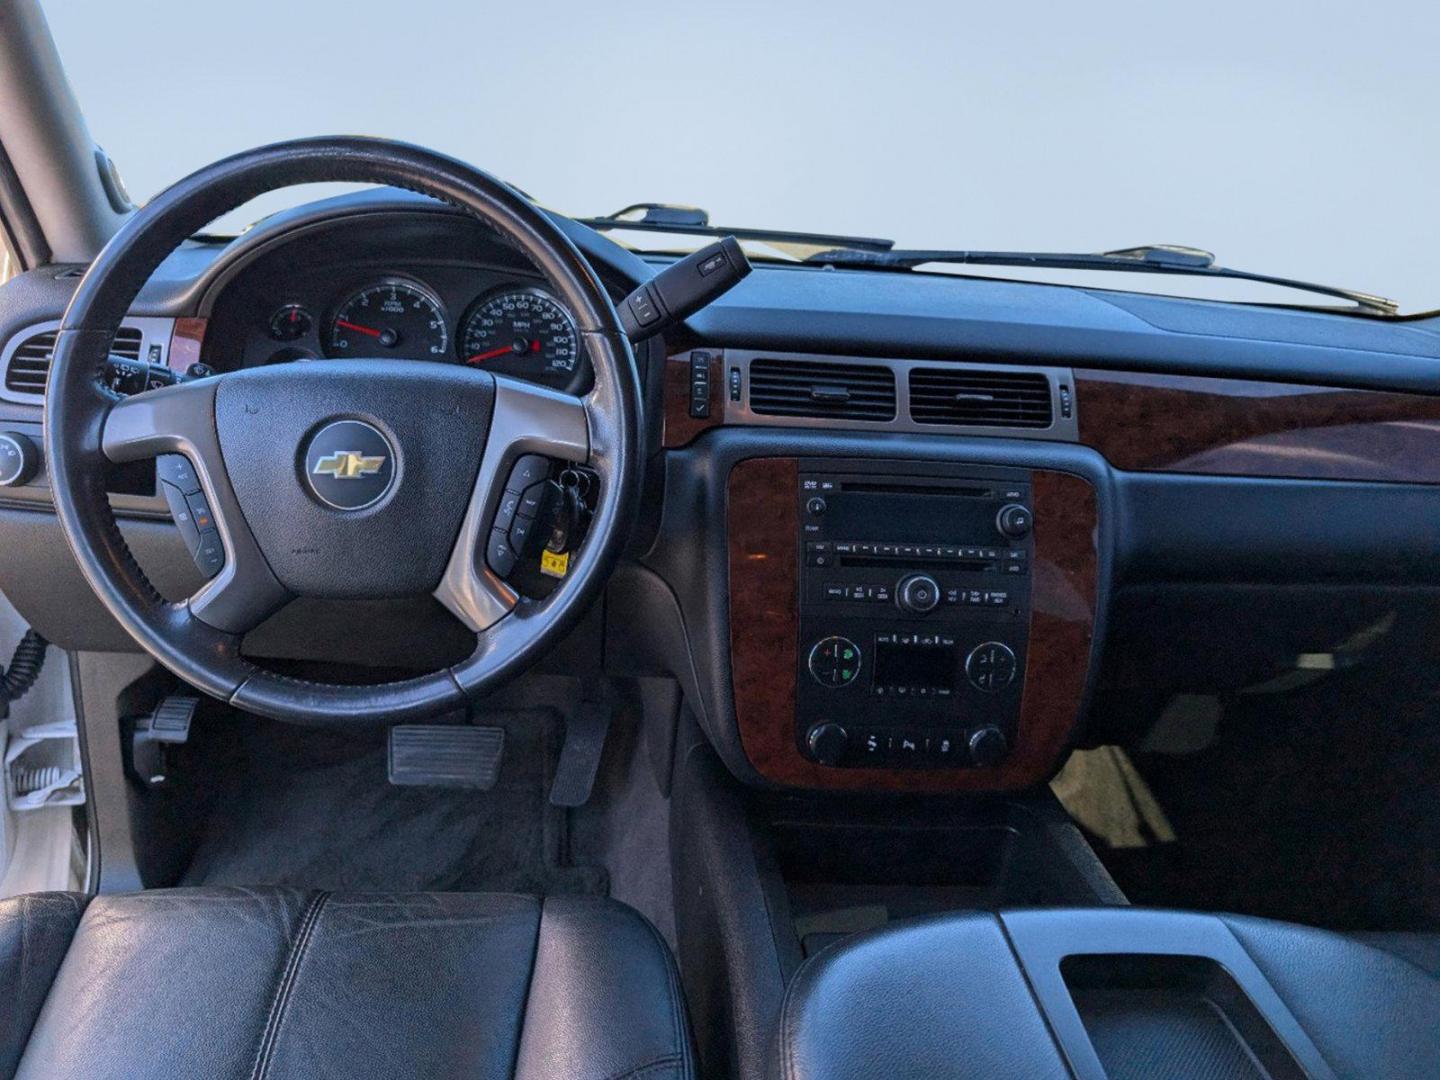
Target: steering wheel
{"type": "Point", "coordinates": [341, 479]}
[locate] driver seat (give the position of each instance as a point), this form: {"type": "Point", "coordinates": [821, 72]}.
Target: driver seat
{"type": "Point", "coordinates": [283, 982]}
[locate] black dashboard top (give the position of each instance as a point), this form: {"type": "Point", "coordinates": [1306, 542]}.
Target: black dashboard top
{"type": "Point", "coordinates": [936, 316]}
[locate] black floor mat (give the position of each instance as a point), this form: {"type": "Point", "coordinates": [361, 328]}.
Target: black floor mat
{"type": "Point", "coordinates": [314, 809]}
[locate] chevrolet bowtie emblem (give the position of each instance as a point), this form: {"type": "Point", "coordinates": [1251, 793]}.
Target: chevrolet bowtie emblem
{"type": "Point", "coordinates": [348, 465]}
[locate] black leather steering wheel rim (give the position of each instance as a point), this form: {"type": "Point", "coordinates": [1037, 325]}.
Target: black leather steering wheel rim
{"type": "Point", "coordinates": [85, 424]}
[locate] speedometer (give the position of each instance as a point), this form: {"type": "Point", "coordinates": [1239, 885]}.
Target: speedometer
{"type": "Point", "coordinates": [394, 317]}
{"type": "Point", "coordinates": [521, 332]}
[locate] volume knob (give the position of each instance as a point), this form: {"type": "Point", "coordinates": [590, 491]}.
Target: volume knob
{"type": "Point", "coordinates": [918, 593]}
{"type": "Point", "coordinates": [19, 459]}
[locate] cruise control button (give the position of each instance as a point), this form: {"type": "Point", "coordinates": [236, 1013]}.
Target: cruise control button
{"type": "Point", "coordinates": [209, 553]}
{"type": "Point", "coordinates": [180, 512]}
{"type": "Point", "coordinates": [176, 469]}
{"type": "Point", "coordinates": [200, 510]}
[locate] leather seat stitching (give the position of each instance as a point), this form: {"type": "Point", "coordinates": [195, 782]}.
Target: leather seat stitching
{"type": "Point", "coordinates": [666, 1062]}
{"type": "Point", "coordinates": [270, 1035]}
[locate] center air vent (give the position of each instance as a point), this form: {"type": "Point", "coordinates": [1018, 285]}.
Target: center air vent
{"type": "Point", "coordinates": [980, 398]}
{"type": "Point", "coordinates": [830, 391]}
{"type": "Point", "coordinates": [29, 365]}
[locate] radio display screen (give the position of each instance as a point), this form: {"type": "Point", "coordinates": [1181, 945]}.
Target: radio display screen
{"type": "Point", "coordinates": [935, 667]}
{"type": "Point", "coordinates": [926, 519]}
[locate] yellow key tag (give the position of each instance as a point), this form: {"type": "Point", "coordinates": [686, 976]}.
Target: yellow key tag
{"type": "Point", "coordinates": [553, 565]}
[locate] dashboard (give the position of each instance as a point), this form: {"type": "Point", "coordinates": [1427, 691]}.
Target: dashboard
{"type": "Point", "coordinates": [1215, 489]}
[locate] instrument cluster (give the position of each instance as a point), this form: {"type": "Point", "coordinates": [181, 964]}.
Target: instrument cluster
{"type": "Point", "coordinates": [509, 327]}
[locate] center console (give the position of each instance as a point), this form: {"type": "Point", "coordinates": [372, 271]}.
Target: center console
{"type": "Point", "coordinates": [914, 613]}
{"type": "Point", "coordinates": [908, 625]}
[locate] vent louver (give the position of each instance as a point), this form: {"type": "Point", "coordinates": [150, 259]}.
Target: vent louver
{"type": "Point", "coordinates": [30, 363]}
{"type": "Point", "coordinates": [980, 398]}
{"type": "Point", "coordinates": [822, 389]}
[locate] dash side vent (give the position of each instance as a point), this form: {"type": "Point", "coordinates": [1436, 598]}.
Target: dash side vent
{"type": "Point", "coordinates": [967, 398]}
{"type": "Point", "coordinates": [822, 389]}
{"type": "Point", "coordinates": [29, 366]}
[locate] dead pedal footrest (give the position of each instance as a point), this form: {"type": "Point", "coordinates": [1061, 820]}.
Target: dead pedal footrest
{"type": "Point", "coordinates": [452, 756]}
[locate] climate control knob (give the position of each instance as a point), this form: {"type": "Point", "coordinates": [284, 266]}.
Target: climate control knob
{"type": "Point", "coordinates": [1013, 521]}
{"type": "Point", "coordinates": [19, 459]}
{"type": "Point", "coordinates": [918, 594]}
{"type": "Point", "coordinates": [988, 745]}
{"type": "Point", "coordinates": [828, 743]}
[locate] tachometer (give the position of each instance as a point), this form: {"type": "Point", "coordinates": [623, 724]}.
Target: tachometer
{"type": "Point", "coordinates": [393, 317]}
{"type": "Point", "coordinates": [521, 332]}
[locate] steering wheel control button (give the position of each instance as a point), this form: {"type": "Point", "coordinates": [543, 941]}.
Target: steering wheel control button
{"type": "Point", "coordinates": [520, 533]}
{"type": "Point", "coordinates": [531, 500]}
{"type": "Point", "coordinates": [19, 459]}
{"type": "Point", "coordinates": [828, 743]}
{"type": "Point", "coordinates": [990, 666]}
{"type": "Point", "coordinates": [181, 514]}
{"type": "Point", "coordinates": [1013, 521]}
{"type": "Point", "coordinates": [499, 554]}
{"type": "Point", "coordinates": [176, 469]}
{"type": "Point", "coordinates": [210, 553]}
{"type": "Point", "coordinates": [835, 661]}
{"type": "Point", "coordinates": [509, 504]}
{"type": "Point", "coordinates": [200, 511]}
{"type": "Point", "coordinates": [918, 594]}
{"type": "Point", "coordinates": [528, 470]}
{"type": "Point", "coordinates": [349, 465]}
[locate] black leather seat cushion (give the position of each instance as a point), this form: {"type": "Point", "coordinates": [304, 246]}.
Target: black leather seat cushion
{"type": "Point", "coordinates": [981, 995]}
{"type": "Point", "coordinates": [281, 982]}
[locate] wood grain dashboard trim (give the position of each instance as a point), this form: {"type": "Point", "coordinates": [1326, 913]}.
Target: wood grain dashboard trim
{"type": "Point", "coordinates": [1144, 422]}
{"type": "Point", "coordinates": [763, 531]}
{"type": "Point", "coordinates": [186, 340]}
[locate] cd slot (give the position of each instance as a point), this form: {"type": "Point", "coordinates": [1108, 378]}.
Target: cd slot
{"type": "Point", "coordinates": [953, 491]}
{"type": "Point", "coordinates": [887, 562]}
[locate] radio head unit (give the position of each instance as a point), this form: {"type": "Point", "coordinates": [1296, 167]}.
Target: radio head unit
{"type": "Point", "coordinates": [914, 615]}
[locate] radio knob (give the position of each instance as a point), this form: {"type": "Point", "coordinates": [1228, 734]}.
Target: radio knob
{"type": "Point", "coordinates": [918, 593]}
{"type": "Point", "coordinates": [1013, 521]}
{"type": "Point", "coordinates": [828, 743]}
{"type": "Point", "coordinates": [19, 459]}
{"type": "Point", "coordinates": [988, 745]}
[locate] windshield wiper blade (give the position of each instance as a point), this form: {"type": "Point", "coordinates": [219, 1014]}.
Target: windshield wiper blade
{"type": "Point", "coordinates": [1148, 259]}
{"type": "Point", "coordinates": [693, 221]}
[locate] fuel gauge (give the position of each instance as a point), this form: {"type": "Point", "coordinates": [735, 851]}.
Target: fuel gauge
{"type": "Point", "coordinates": [291, 323]}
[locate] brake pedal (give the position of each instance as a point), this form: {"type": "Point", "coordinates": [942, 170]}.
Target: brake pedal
{"type": "Point", "coordinates": [443, 755]}
{"type": "Point", "coordinates": [585, 732]}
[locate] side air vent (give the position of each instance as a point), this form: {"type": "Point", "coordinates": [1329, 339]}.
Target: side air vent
{"type": "Point", "coordinates": [822, 389]}
{"type": "Point", "coordinates": [29, 365]}
{"type": "Point", "coordinates": [980, 398]}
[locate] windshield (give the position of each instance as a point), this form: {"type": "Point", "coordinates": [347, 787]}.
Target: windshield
{"type": "Point", "coordinates": [1292, 140]}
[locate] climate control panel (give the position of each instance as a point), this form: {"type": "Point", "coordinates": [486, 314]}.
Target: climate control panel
{"type": "Point", "coordinates": [914, 614]}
